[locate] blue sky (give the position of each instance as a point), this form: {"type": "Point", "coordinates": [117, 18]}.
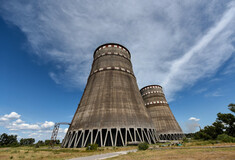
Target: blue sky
{"type": "Point", "coordinates": [46, 50]}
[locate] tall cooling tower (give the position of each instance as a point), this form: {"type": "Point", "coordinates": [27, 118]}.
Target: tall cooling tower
{"type": "Point", "coordinates": [111, 111]}
{"type": "Point", "coordinates": [165, 123]}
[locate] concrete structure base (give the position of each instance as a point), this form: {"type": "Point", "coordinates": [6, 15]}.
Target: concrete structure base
{"type": "Point", "coordinates": [109, 137]}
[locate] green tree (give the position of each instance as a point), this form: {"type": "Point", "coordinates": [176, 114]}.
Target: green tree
{"type": "Point", "coordinates": [40, 143]}
{"type": "Point", "coordinates": [224, 124]}
{"type": "Point", "coordinates": [231, 107]}
{"type": "Point", "coordinates": [27, 141]}
{"type": "Point", "coordinates": [228, 120]}
{"type": "Point", "coordinates": [8, 140]}
{"type": "Point", "coordinates": [210, 132]}
{"type": "Point", "coordinates": [202, 135]}
{"type": "Point", "coordinates": [219, 127]}
{"type": "Point", "coordinates": [48, 142]}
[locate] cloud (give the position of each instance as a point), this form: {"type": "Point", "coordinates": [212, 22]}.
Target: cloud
{"type": "Point", "coordinates": [213, 94]}
{"type": "Point", "coordinates": [39, 130]}
{"type": "Point", "coordinates": [11, 116]}
{"type": "Point", "coordinates": [173, 43]}
{"type": "Point", "coordinates": [54, 77]}
{"type": "Point", "coordinates": [199, 91]}
{"type": "Point", "coordinates": [25, 126]}
{"type": "Point", "coordinates": [191, 125]}
{"type": "Point", "coordinates": [18, 121]}
{"type": "Point", "coordinates": [65, 130]}
{"type": "Point", "coordinates": [193, 119]}
{"type": "Point", "coordinates": [22, 126]}
{"type": "Point", "coordinates": [45, 134]}
{"type": "Point", "coordinates": [47, 125]}
{"type": "Point", "coordinates": [13, 123]}
{"type": "Point", "coordinates": [188, 65]}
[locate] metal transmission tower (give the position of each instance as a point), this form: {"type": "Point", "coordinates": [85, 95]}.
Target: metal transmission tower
{"type": "Point", "coordinates": [55, 131]}
{"type": "Point", "coordinates": [165, 123]}
{"type": "Point", "coordinates": [111, 111]}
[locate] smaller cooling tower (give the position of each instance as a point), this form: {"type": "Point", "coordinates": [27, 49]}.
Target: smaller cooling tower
{"type": "Point", "coordinates": [165, 123]}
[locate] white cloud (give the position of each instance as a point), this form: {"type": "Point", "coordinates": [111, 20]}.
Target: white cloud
{"type": "Point", "coordinates": [8, 121]}
{"type": "Point", "coordinates": [7, 117]}
{"type": "Point", "coordinates": [193, 119]}
{"type": "Point", "coordinates": [39, 131]}
{"type": "Point", "coordinates": [18, 121]}
{"type": "Point", "coordinates": [22, 126]}
{"type": "Point", "coordinates": [65, 130]}
{"type": "Point", "coordinates": [47, 125]}
{"type": "Point", "coordinates": [172, 43]}
{"type": "Point", "coordinates": [213, 94]}
{"type": "Point", "coordinates": [191, 125]}
{"type": "Point", "coordinates": [12, 133]}
{"type": "Point", "coordinates": [54, 77]}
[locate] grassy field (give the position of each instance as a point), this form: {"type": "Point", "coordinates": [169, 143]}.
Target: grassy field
{"type": "Point", "coordinates": [44, 153]}
{"type": "Point", "coordinates": [179, 154]}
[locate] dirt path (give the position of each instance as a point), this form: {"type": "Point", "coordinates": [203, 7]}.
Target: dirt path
{"type": "Point", "coordinates": [104, 156]}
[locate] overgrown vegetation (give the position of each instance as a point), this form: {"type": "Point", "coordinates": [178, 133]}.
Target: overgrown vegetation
{"type": "Point", "coordinates": [92, 147]}
{"type": "Point", "coordinates": [225, 138]}
{"type": "Point", "coordinates": [143, 146]}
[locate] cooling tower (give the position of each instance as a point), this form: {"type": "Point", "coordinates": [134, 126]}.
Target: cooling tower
{"type": "Point", "coordinates": [111, 111]}
{"type": "Point", "coordinates": [165, 123]}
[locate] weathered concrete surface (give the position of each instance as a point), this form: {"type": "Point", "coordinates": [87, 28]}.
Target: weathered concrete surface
{"type": "Point", "coordinates": [111, 111]}
{"type": "Point", "coordinates": [165, 123]}
{"type": "Point", "coordinates": [104, 156]}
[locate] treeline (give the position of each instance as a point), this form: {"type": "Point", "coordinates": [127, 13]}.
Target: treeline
{"type": "Point", "coordinates": [11, 141]}
{"type": "Point", "coordinates": [222, 129]}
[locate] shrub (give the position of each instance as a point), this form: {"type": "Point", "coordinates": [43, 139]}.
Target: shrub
{"type": "Point", "coordinates": [143, 146]}
{"type": "Point", "coordinates": [92, 147]}
{"type": "Point", "coordinates": [185, 140]}
{"type": "Point", "coordinates": [49, 142]}
{"type": "Point", "coordinates": [202, 135]}
{"type": "Point", "coordinates": [36, 145]}
{"type": "Point", "coordinates": [225, 138]}
{"type": "Point", "coordinates": [40, 143]}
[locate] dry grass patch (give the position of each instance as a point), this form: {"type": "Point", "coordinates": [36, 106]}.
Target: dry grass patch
{"type": "Point", "coordinates": [179, 154]}
{"type": "Point", "coordinates": [31, 153]}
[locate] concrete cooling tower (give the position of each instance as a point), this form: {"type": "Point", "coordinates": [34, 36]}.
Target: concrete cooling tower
{"type": "Point", "coordinates": [165, 123]}
{"type": "Point", "coordinates": [111, 111]}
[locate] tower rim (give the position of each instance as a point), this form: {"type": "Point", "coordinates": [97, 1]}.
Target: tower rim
{"type": "Point", "coordinates": [150, 86]}
{"type": "Point", "coordinates": [111, 44]}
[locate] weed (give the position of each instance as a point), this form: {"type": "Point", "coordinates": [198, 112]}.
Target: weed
{"type": "Point", "coordinates": [15, 151]}
{"type": "Point", "coordinates": [92, 147]}
{"type": "Point", "coordinates": [143, 146]}
{"type": "Point", "coordinates": [21, 157]}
